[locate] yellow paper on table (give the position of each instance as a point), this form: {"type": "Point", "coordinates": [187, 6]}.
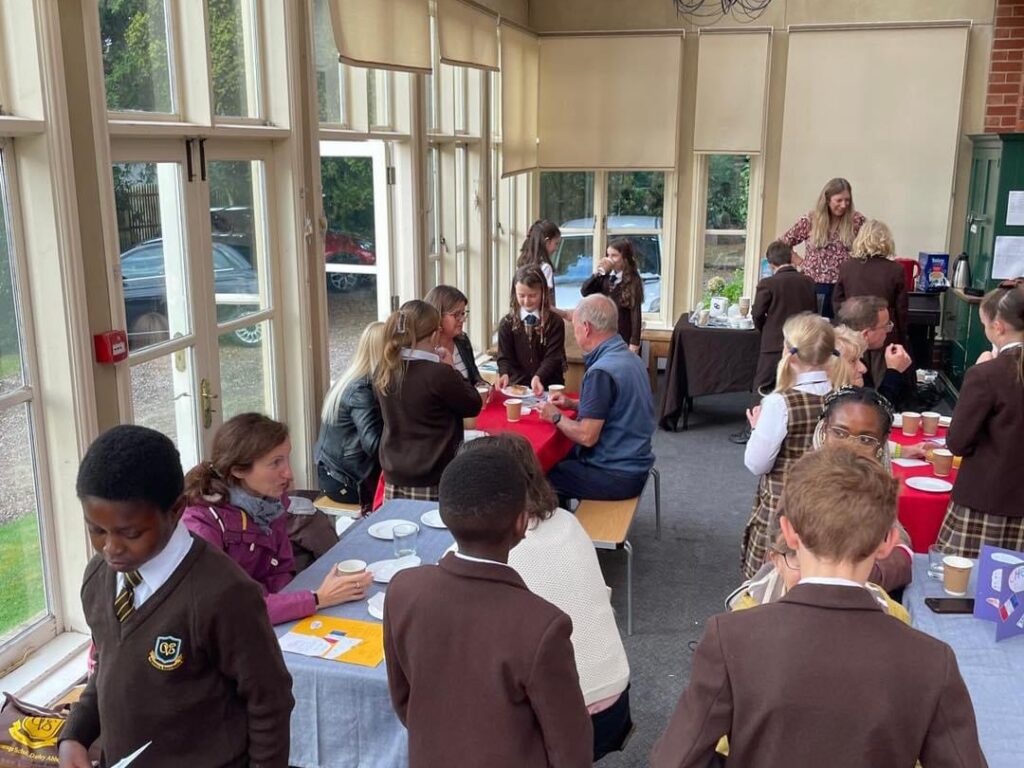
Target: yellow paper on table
{"type": "Point", "coordinates": [347, 640]}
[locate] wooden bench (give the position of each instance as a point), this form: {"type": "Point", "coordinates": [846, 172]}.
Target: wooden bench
{"type": "Point", "coordinates": [328, 506]}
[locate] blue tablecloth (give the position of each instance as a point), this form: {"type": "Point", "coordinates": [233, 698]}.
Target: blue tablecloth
{"type": "Point", "coordinates": [343, 716]}
{"type": "Point", "coordinates": [994, 672]}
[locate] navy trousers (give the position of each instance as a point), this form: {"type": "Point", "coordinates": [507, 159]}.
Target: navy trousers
{"type": "Point", "coordinates": [572, 479]}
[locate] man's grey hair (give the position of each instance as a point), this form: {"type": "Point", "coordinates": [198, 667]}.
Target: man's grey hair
{"type": "Point", "coordinates": [600, 311]}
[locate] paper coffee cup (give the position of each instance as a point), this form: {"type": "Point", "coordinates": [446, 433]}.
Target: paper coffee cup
{"type": "Point", "coordinates": [942, 461]}
{"type": "Point", "coordinates": [911, 422]}
{"type": "Point", "coordinates": [930, 422]}
{"type": "Point", "coordinates": [705, 315]}
{"type": "Point", "coordinates": [956, 573]}
{"type": "Point", "coordinates": [513, 409]}
{"type": "Point", "coordinates": [556, 388]}
{"type": "Point", "coordinates": [484, 393]}
{"type": "Point", "coordinates": [744, 305]}
{"type": "Point", "coordinates": [349, 567]}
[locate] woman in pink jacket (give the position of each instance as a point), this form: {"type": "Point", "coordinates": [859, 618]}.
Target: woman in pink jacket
{"type": "Point", "coordinates": [238, 501]}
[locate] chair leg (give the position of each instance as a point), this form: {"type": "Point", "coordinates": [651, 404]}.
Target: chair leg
{"type": "Point", "coordinates": [629, 586]}
{"type": "Point", "coordinates": [657, 502]}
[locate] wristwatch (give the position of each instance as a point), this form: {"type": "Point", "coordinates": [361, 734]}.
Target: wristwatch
{"type": "Point", "coordinates": [557, 417]}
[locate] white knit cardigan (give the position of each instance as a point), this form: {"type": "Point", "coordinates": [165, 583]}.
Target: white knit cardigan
{"type": "Point", "coordinates": [557, 561]}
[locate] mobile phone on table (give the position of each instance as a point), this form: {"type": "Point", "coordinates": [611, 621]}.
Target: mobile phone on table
{"type": "Point", "coordinates": [950, 604]}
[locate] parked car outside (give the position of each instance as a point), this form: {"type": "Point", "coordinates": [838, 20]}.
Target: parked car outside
{"type": "Point", "coordinates": [341, 248]}
{"type": "Point", "coordinates": [145, 292]}
{"type": "Point", "coordinates": [574, 261]}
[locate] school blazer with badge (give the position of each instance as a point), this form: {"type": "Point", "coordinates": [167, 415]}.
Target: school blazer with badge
{"type": "Point", "coordinates": [196, 670]}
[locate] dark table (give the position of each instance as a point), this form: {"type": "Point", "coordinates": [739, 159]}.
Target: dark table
{"type": "Point", "coordinates": [705, 361]}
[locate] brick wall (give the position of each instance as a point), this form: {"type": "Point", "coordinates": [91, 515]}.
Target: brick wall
{"type": "Point", "coordinates": [1004, 106]}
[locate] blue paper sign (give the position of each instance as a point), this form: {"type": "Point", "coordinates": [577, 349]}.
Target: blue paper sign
{"type": "Point", "coordinates": [999, 593]}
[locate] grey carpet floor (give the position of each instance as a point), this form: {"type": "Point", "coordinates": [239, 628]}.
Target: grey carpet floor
{"type": "Point", "coordinates": [681, 580]}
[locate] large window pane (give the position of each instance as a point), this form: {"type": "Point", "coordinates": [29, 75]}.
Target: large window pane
{"type": "Point", "coordinates": [245, 371]}
{"type": "Point", "coordinates": [149, 224]}
{"type": "Point", "coordinates": [164, 399]}
{"type": "Point", "coordinates": [233, 58]}
{"type": "Point", "coordinates": [567, 199]}
{"type": "Point", "coordinates": [21, 559]}
{"type": "Point", "coordinates": [238, 227]}
{"type": "Point", "coordinates": [723, 257]}
{"type": "Point", "coordinates": [348, 313]}
{"type": "Point", "coordinates": [136, 63]}
{"type": "Point", "coordinates": [728, 191]}
{"type": "Point", "coordinates": [573, 263]}
{"type": "Point", "coordinates": [11, 376]}
{"type": "Point", "coordinates": [636, 193]}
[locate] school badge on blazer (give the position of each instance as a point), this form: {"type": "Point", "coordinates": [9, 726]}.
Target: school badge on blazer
{"type": "Point", "coordinates": [166, 654]}
{"type": "Point", "coordinates": [36, 732]}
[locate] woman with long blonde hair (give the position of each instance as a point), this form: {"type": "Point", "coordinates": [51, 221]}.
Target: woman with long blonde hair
{"type": "Point", "coordinates": [828, 231]}
{"type": "Point", "coordinates": [783, 425]}
{"type": "Point", "coordinates": [423, 401]}
{"type": "Point", "coordinates": [350, 427]}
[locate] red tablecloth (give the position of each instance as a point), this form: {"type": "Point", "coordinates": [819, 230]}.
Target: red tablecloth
{"type": "Point", "coordinates": [920, 512]}
{"type": "Point", "coordinates": [550, 445]}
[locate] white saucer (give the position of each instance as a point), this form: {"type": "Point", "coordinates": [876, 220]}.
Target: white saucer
{"type": "Point", "coordinates": [473, 434]}
{"type": "Point", "coordinates": [517, 390]}
{"type": "Point", "coordinates": [432, 519]}
{"type": "Point", "coordinates": [375, 606]}
{"type": "Point", "coordinates": [929, 484]}
{"type": "Point", "coordinates": [384, 570]}
{"type": "Point", "coordinates": [385, 529]}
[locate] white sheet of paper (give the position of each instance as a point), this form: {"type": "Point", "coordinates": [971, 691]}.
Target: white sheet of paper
{"type": "Point", "coordinates": [306, 645]}
{"type": "Point", "coordinates": [1008, 258]}
{"type": "Point", "coordinates": [341, 645]}
{"type": "Point", "coordinates": [1015, 209]}
{"type": "Point", "coordinates": [125, 762]}
{"type": "Point", "coordinates": [910, 462]}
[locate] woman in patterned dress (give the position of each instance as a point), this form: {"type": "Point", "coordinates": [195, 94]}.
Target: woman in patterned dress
{"type": "Point", "coordinates": [829, 231]}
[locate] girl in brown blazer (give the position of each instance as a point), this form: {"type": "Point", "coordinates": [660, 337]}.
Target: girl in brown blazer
{"type": "Point", "coordinates": [618, 278]}
{"type": "Point", "coordinates": [988, 421]}
{"type": "Point", "coordinates": [531, 337]}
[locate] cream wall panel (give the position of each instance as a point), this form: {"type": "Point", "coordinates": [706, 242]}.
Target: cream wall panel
{"type": "Point", "coordinates": [520, 59]}
{"type": "Point", "coordinates": [609, 102]}
{"type": "Point", "coordinates": [732, 87]}
{"type": "Point", "coordinates": [889, 122]}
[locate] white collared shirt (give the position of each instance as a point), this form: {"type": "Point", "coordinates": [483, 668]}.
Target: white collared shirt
{"type": "Point", "coordinates": [616, 276]}
{"type": "Point", "coordinates": [419, 354]}
{"type": "Point", "coordinates": [832, 581]}
{"type": "Point", "coordinates": [472, 559]}
{"type": "Point", "coordinates": [766, 439]}
{"type": "Point", "coordinates": [158, 570]}
{"type": "Point", "coordinates": [525, 313]}
{"type": "Point", "coordinates": [1011, 345]}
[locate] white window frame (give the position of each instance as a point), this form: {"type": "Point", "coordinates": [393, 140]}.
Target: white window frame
{"type": "Point", "coordinates": [699, 213]}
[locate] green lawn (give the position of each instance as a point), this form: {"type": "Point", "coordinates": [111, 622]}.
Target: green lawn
{"type": "Point", "coordinates": [21, 573]}
{"type": "Point", "coordinates": [10, 365]}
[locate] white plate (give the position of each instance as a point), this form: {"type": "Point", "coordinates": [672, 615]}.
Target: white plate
{"type": "Point", "coordinates": [517, 390]}
{"type": "Point", "coordinates": [945, 421]}
{"type": "Point", "coordinates": [432, 519]}
{"type": "Point", "coordinates": [384, 570]}
{"type": "Point", "coordinates": [929, 484]}
{"type": "Point", "coordinates": [473, 434]}
{"type": "Point", "coordinates": [375, 606]}
{"type": "Point", "coordinates": [897, 421]}
{"type": "Point", "coordinates": [385, 529]}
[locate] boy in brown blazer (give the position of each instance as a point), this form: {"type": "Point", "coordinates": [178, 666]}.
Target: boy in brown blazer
{"type": "Point", "coordinates": [481, 671]}
{"type": "Point", "coordinates": [824, 676]}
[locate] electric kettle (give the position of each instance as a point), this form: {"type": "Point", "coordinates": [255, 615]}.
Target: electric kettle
{"type": "Point", "coordinates": [962, 272]}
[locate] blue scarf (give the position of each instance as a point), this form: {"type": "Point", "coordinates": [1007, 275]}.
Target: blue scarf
{"type": "Point", "coordinates": [262, 510]}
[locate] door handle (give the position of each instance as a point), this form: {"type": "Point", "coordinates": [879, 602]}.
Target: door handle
{"type": "Point", "coordinates": [206, 399]}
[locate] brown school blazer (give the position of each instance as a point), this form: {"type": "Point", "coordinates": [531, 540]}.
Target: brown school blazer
{"type": "Point", "coordinates": [779, 297]}
{"type": "Point", "coordinates": [876, 277]}
{"type": "Point", "coordinates": [986, 430]}
{"type": "Point", "coordinates": [821, 678]}
{"type": "Point", "coordinates": [481, 670]}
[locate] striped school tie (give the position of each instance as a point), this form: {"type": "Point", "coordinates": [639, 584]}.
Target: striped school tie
{"type": "Point", "coordinates": [124, 603]}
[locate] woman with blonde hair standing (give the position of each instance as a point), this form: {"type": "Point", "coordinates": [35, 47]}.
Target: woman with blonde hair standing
{"type": "Point", "coordinates": [829, 231]}
{"type": "Point", "coordinates": [350, 427]}
{"type": "Point", "coordinates": [423, 400]}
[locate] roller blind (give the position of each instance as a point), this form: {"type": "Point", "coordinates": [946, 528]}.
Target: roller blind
{"type": "Point", "coordinates": [383, 34]}
{"type": "Point", "coordinates": [888, 120]}
{"type": "Point", "coordinates": [732, 85]}
{"type": "Point", "coordinates": [519, 72]}
{"type": "Point", "coordinates": [609, 102]}
{"type": "Point", "coordinates": [468, 37]}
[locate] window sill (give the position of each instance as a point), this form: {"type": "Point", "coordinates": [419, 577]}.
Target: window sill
{"type": "Point", "coordinates": [51, 671]}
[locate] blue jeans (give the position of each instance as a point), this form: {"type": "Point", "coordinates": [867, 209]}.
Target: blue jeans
{"type": "Point", "coordinates": [573, 479]}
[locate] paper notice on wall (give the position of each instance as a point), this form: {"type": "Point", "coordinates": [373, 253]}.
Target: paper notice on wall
{"type": "Point", "coordinates": [1008, 259]}
{"type": "Point", "coordinates": [1015, 209]}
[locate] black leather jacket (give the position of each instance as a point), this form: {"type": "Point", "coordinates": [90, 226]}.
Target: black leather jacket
{"type": "Point", "coordinates": [351, 446]}
{"type": "Point", "coordinates": [465, 348]}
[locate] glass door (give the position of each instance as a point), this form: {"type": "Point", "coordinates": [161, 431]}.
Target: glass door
{"type": "Point", "coordinates": [357, 254]}
{"type": "Point", "coordinates": [195, 288]}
